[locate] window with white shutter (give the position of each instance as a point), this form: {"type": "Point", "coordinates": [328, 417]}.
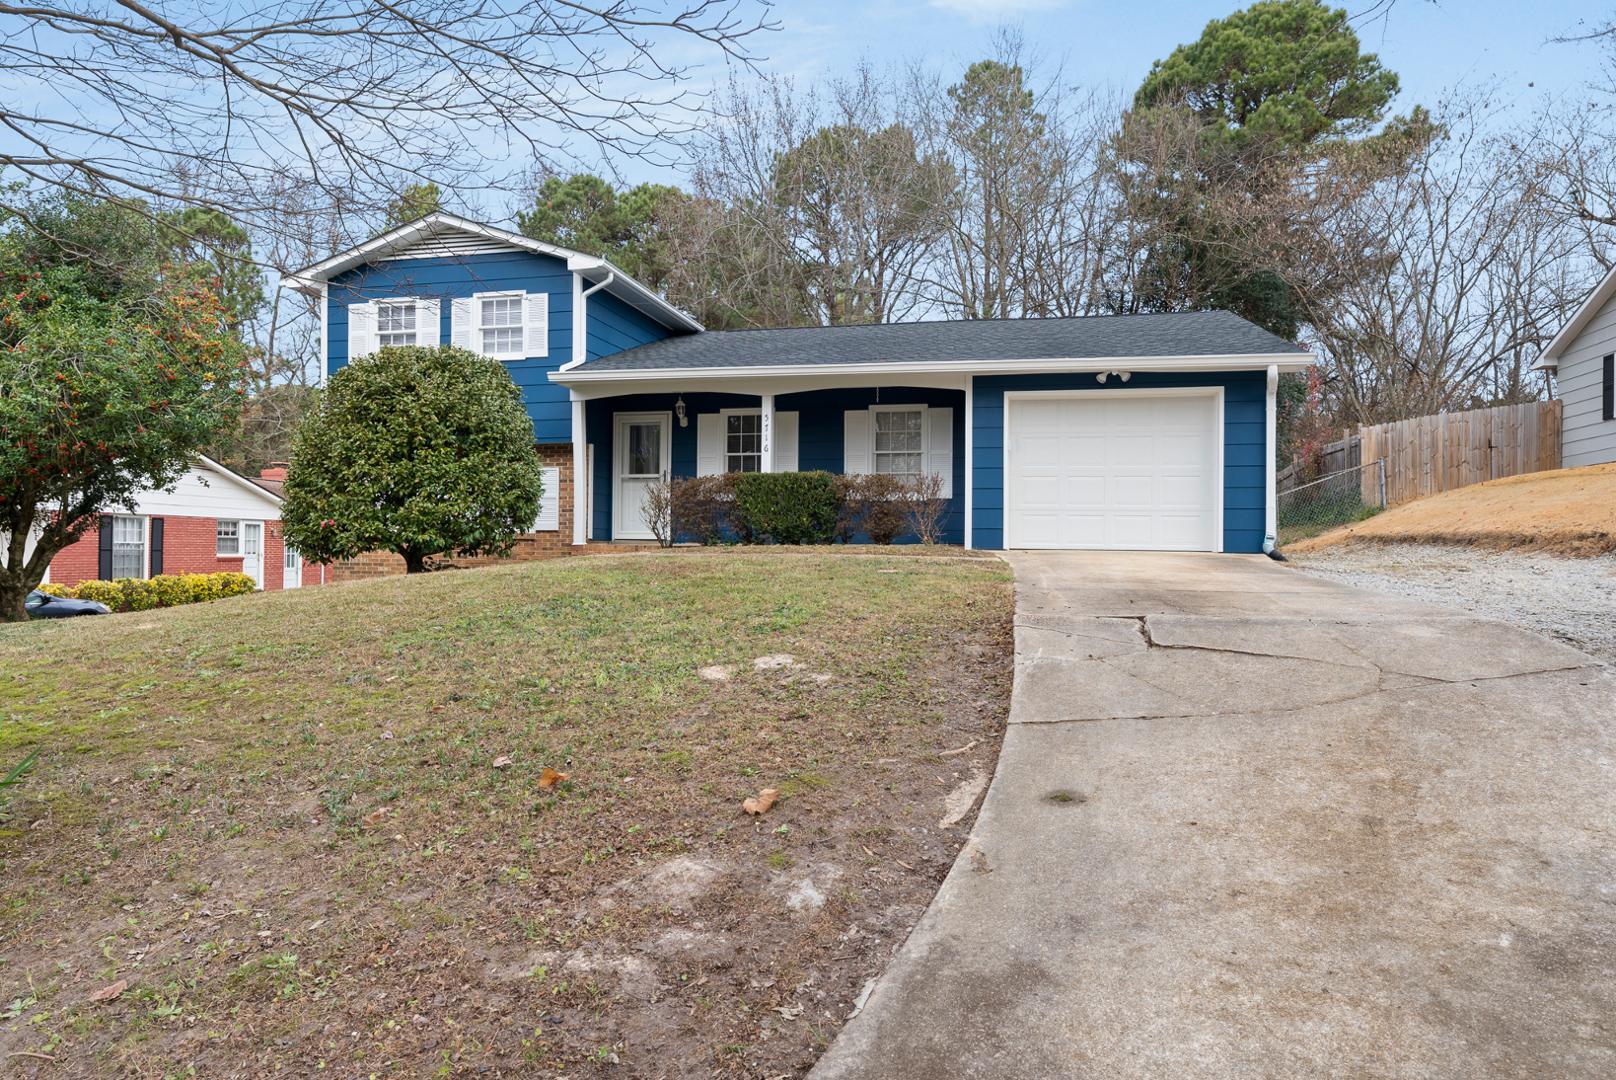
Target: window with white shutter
{"type": "Point", "coordinates": [549, 519]}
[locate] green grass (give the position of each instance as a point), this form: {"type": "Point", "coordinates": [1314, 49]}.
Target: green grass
{"type": "Point", "coordinates": [279, 817]}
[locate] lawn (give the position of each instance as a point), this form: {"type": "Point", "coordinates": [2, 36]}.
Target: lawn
{"type": "Point", "coordinates": [311, 831]}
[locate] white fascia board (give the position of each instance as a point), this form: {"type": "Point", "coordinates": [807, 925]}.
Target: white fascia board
{"type": "Point", "coordinates": [308, 278]}
{"type": "Point", "coordinates": [1568, 333]}
{"type": "Point", "coordinates": [239, 480]}
{"type": "Point", "coordinates": [1200, 364]}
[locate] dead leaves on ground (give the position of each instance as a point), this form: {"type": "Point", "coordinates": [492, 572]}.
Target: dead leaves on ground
{"type": "Point", "coordinates": [759, 804]}
{"type": "Point", "coordinates": [549, 778]}
{"type": "Point", "coordinates": [110, 992]}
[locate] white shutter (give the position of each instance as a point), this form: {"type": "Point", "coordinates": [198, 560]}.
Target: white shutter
{"type": "Point", "coordinates": [361, 330]}
{"type": "Point", "coordinates": [856, 442]}
{"type": "Point", "coordinates": [549, 519]}
{"type": "Point", "coordinates": [709, 444]}
{"type": "Point", "coordinates": [427, 330]}
{"type": "Point", "coordinates": [462, 310]}
{"type": "Point", "coordinates": [940, 447]}
{"type": "Point", "coordinates": [538, 324]}
{"type": "Point", "coordinates": [785, 442]}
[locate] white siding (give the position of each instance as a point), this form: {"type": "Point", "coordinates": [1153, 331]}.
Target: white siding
{"type": "Point", "coordinates": [203, 493]}
{"type": "Point", "coordinates": [1588, 438]}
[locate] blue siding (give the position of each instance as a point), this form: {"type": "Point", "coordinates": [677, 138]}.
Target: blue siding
{"type": "Point", "coordinates": [819, 435]}
{"type": "Point", "coordinates": [613, 325]}
{"type": "Point", "coordinates": [1244, 452]}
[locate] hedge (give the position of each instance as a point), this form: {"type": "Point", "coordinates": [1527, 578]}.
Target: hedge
{"type": "Point", "coordinates": [788, 507]}
{"type": "Point", "coordinates": [164, 590]}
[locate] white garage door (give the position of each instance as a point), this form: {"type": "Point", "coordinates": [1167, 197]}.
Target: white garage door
{"type": "Point", "coordinates": [1113, 470]}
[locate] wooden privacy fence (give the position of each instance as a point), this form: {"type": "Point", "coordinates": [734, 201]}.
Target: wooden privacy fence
{"type": "Point", "coordinates": [1429, 454]}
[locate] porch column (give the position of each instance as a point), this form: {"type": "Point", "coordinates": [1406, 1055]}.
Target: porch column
{"type": "Point", "coordinates": [767, 429]}
{"type": "Point", "coordinates": [580, 472]}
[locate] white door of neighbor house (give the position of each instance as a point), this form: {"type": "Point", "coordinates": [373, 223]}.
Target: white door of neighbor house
{"type": "Point", "coordinates": [292, 569]}
{"type": "Point", "coordinates": [640, 456]}
{"type": "Point", "coordinates": [1134, 469]}
{"type": "Point", "coordinates": [252, 551]}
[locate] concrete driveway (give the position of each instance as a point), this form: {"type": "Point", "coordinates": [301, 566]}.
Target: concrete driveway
{"type": "Point", "coordinates": [1248, 823]}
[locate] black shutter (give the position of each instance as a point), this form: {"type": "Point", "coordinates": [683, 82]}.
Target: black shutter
{"type": "Point", "coordinates": [1609, 411]}
{"type": "Point", "coordinates": [156, 546]}
{"type": "Point", "coordinates": [105, 572]}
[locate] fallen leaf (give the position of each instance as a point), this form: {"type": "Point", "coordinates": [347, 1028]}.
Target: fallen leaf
{"type": "Point", "coordinates": [760, 803]}
{"type": "Point", "coordinates": [502, 762]}
{"type": "Point", "coordinates": [790, 1012]}
{"type": "Point", "coordinates": [111, 991]}
{"type": "Point", "coordinates": [376, 815]}
{"type": "Point", "coordinates": [549, 778]}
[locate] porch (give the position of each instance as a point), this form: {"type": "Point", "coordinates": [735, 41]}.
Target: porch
{"type": "Point", "coordinates": [624, 443]}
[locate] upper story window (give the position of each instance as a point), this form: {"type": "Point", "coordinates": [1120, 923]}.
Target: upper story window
{"type": "Point", "coordinates": [500, 320]}
{"type": "Point", "coordinates": [900, 442]}
{"type": "Point", "coordinates": [395, 323]}
{"type": "Point", "coordinates": [743, 442]}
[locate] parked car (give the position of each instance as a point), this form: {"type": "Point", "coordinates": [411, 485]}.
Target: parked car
{"type": "Point", "coordinates": [42, 605]}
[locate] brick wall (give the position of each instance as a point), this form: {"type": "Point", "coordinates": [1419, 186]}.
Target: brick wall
{"type": "Point", "coordinates": [190, 546]}
{"type": "Point", "coordinates": [545, 545]}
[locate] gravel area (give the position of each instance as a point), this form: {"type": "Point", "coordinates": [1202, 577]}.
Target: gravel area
{"type": "Point", "coordinates": [1571, 600]}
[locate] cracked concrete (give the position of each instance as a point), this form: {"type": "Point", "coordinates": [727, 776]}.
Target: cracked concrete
{"type": "Point", "coordinates": [1250, 823]}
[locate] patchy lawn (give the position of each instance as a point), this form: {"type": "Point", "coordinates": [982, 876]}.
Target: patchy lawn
{"type": "Point", "coordinates": [1562, 511]}
{"type": "Point", "coordinates": [287, 823]}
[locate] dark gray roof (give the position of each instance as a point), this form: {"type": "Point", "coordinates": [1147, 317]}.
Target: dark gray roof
{"type": "Point", "coordinates": [1194, 333]}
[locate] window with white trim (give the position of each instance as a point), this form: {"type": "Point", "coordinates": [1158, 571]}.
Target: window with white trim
{"type": "Point", "coordinates": [128, 547]}
{"type": "Point", "coordinates": [395, 323]}
{"type": "Point", "coordinates": [500, 325]}
{"type": "Point", "coordinates": [228, 538]}
{"type": "Point", "coordinates": [743, 442]}
{"type": "Point", "coordinates": [899, 445]}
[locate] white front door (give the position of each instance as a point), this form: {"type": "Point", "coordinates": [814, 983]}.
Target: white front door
{"type": "Point", "coordinates": [640, 455]}
{"type": "Point", "coordinates": [252, 551]}
{"type": "Point", "coordinates": [292, 569]}
{"type": "Point", "coordinates": [1136, 469]}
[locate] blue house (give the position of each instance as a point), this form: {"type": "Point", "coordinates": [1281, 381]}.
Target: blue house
{"type": "Point", "coordinates": [1139, 431]}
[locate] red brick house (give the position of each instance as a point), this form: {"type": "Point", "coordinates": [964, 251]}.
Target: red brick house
{"type": "Point", "coordinates": [214, 520]}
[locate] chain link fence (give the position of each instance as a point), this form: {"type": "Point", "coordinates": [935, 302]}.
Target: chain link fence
{"type": "Point", "coordinates": [1338, 499]}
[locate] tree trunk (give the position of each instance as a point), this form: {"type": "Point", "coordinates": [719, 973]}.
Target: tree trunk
{"type": "Point", "coordinates": [414, 561]}
{"type": "Point", "coordinates": [13, 592]}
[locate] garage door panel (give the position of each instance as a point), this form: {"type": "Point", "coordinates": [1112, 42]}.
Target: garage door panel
{"type": "Point", "coordinates": [1111, 470]}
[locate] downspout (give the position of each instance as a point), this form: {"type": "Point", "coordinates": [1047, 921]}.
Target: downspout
{"type": "Point", "coordinates": [580, 317]}
{"type": "Point", "coordinates": [1270, 544]}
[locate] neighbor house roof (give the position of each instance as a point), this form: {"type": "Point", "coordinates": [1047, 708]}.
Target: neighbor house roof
{"type": "Point", "coordinates": [1568, 333]}
{"type": "Point", "coordinates": [1216, 338]}
{"type": "Point", "coordinates": [449, 235]}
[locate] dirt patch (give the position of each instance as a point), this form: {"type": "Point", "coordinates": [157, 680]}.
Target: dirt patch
{"type": "Point", "coordinates": [1569, 599]}
{"type": "Point", "coordinates": [1564, 511]}
{"type": "Point", "coordinates": [281, 820]}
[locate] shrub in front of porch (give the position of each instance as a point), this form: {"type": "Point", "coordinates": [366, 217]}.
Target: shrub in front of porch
{"type": "Point", "coordinates": [788, 507]}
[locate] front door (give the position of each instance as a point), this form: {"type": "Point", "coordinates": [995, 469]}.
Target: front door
{"type": "Point", "coordinates": [292, 569]}
{"type": "Point", "coordinates": [252, 551]}
{"type": "Point", "coordinates": [640, 455]}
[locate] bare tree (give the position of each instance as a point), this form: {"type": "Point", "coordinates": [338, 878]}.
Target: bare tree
{"type": "Point", "coordinates": [359, 100]}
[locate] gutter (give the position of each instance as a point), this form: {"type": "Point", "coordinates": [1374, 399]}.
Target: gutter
{"type": "Point", "coordinates": [580, 318]}
{"type": "Point", "coordinates": [1270, 544]}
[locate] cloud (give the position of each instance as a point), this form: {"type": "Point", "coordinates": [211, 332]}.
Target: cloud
{"type": "Point", "coordinates": [995, 10]}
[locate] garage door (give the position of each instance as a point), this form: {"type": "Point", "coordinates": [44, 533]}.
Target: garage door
{"type": "Point", "coordinates": [1111, 469]}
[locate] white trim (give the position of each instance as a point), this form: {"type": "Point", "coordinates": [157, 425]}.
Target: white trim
{"type": "Point", "coordinates": [765, 435]}
{"type": "Point", "coordinates": [1219, 433]}
{"type": "Point", "coordinates": [325, 336]}
{"type": "Point", "coordinates": [580, 325]}
{"type": "Point", "coordinates": [415, 304]}
{"type": "Point", "coordinates": [217, 554]}
{"type": "Point", "coordinates": [375, 249]}
{"type": "Point", "coordinates": [618, 419]}
{"type": "Point", "coordinates": [970, 447]}
{"type": "Point", "coordinates": [1247, 362]}
{"type": "Point", "coordinates": [1597, 299]}
{"type": "Point", "coordinates": [580, 474]}
{"type": "Point", "coordinates": [477, 328]}
{"type": "Point", "coordinates": [1270, 475]}
{"type": "Point", "coordinates": [239, 480]}
{"type": "Point", "coordinates": [925, 436]}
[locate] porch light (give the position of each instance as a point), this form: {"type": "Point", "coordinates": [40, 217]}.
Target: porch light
{"type": "Point", "coordinates": [1122, 375]}
{"type": "Point", "coordinates": [679, 411]}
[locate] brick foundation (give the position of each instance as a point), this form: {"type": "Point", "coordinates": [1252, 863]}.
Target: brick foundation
{"type": "Point", "coordinates": [530, 547]}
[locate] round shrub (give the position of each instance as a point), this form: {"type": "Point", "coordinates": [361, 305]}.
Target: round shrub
{"type": "Point", "coordinates": [787, 508]}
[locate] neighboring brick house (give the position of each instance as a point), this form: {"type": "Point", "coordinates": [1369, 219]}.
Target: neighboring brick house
{"type": "Point", "coordinates": [214, 520]}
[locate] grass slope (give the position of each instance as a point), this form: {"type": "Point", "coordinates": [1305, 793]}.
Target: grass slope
{"type": "Point", "coordinates": [1564, 511]}
{"type": "Point", "coordinates": [282, 819]}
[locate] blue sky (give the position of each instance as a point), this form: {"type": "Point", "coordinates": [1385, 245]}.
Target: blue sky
{"type": "Point", "coordinates": [1430, 45]}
